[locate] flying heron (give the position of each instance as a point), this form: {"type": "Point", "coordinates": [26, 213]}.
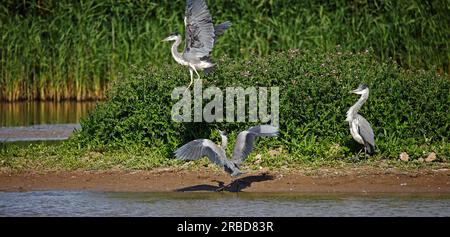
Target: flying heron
{"type": "Point", "coordinates": [359, 127]}
{"type": "Point", "coordinates": [200, 38]}
{"type": "Point", "coordinates": [216, 153]}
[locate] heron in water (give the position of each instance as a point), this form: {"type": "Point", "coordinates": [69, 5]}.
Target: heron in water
{"type": "Point", "coordinates": [359, 127]}
{"type": "Point", "coordinates": [200, 37]}
{"type": "Point", "coordinates": [216, 153]}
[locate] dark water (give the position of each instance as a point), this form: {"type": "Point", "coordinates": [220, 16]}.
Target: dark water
{"type": "Point", "coordinates": [41, 121]}
{"type": "Point", "coordinates": [65, 203]}
{"type": "Point", "coordinates": [35, 112]}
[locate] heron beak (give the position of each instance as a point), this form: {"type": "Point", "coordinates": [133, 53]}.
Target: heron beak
{"type": "Point", "coordinates": [355, 91]}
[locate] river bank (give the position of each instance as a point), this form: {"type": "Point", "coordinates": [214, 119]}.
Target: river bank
{"type": "Point", "coordinates": [358, 180]}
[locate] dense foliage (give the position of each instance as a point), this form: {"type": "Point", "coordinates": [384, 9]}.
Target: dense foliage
{"type": "Point", "coordinates": [61, 49]}
{"type": "Point", "coordinates": [408, 109]}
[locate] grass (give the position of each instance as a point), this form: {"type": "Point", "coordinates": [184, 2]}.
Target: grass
{"type": "Point", "coordinates": [63, 157]}
{"type": "Point", "coordinates": [42, 158]}
{"type": "Point", "coordinates": [57, 50]}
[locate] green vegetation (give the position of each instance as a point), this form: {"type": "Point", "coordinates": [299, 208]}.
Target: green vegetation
{"type": "Point", "coordinates": [132, 129]}
{"type": "Point", "coordinates": [43, 158]}
{"type": "Point", "coordinates": [63, 49]}
{"type": "Point", "coordinates": [65, 156]}
{"type": "Point", "coordinates": [408, 109]}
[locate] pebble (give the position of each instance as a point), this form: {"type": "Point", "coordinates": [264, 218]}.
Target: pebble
{"type": "Point", "coordinates": [431, 157]}
{"type": "Point", "coordinates": [258, 159]}
{"type": "Point", "coordinates": [404, 156]}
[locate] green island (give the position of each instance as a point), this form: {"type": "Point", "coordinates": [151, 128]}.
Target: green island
{"type": "Point", "coordinates": [315, 53]}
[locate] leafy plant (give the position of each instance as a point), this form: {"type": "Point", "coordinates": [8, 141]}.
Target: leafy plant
{"type": "Point", "coordinates": [408, 109]}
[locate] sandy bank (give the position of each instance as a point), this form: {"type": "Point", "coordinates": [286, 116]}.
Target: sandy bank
{"type": "Point", "coordinates": [355, 180]}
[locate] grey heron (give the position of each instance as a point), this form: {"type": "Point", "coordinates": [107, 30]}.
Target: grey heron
{"type": "Point", "coordinates": [359, 127]}
{"type": "Point", "coordinates": [216, 153]}
{"type": "Point", "coordinates": [200, 36]}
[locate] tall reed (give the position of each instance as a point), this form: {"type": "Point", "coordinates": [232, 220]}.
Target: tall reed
{"type": "Point", "coordinates": [61, 49]}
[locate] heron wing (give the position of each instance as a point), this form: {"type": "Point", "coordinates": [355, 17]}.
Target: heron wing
{"type": "Point", "coordinates": [220, 29]}
{"type": "Point", "coordinates": [199, 30]}
{"type": "Point", "coordinates": [243, 147]}
{"type": "Point", "coordinates": [245, 141]}
{"type": "Point", "coordinates": [365, 130]}
{"type": "Point", "coordinates": [199, 148]}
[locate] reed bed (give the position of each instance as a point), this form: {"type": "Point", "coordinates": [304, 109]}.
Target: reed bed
{"type": "Point", "coordinates": [61, 49]}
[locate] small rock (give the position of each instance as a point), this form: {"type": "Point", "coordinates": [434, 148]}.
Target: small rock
{"type": "Point", "coordinates": [421, 160]}
{"type": "Point", "coordinates": [257, 159]}
{"type": "Point", "coordinates": [431, 157]}
{"type": "Point", "coordinates": [404, 156]}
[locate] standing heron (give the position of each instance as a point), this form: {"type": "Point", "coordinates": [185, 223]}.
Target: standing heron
{"type": "Point", "coordinates": [196, 149]}
{"type": "Point", "coordinates": [200, 38]}
{"type": "Point", "coordinates": [359, 127]}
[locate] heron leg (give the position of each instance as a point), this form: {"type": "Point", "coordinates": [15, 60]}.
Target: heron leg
{"type": "Point", "coordinates": [195, 70]}
{"type": "Point", "coordinates": [192, 78]}
{"type": "Point", "coordinates": [356, 157]}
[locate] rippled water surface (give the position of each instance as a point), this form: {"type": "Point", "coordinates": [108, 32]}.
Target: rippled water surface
{"type": "Point", "coordinates": [68, 203]}
{"type": "Point", "coordinates": [41, 121]}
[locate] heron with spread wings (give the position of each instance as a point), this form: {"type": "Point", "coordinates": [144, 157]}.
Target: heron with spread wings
{"type": "Point", "coordinates": [200, 36]}
{"type": "Point", "coordinates": [243, 146]}
{"type": "Point", "coordinates": [359, 127]}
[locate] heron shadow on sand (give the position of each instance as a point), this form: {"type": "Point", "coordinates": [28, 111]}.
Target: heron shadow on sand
{"type": "Point", "coordinates": [235, 186]}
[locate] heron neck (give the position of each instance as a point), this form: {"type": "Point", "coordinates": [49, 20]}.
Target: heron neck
{"type": "Point", "coordinates": [351, 113]}
{"type": "Point", "coordinates": [224, 142]}
{"type": "Point", "coordinates": [176, 55]}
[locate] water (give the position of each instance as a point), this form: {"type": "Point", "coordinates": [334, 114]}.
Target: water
{"type": "Point", "coordinates": [41, 121]}
{"type": "Point", "coordinates": [70, 203]}
{"type": "Point", "coordinates": [38, 112]}
{"type": "Point", "coordinates": [53, 132]}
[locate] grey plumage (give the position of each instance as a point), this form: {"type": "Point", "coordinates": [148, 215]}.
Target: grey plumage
{"type": "Point", "coordinates": [199, 30]}
{"type": "Point", "coordinates": [245, 141]}
{"type": "Point", "coordinates": [366, 132]}
{"type": "Point", "coordinates": [199, 148]}
{"type": "Point", "coordinates": [244, 145]}
{"type": "Point", "coordinates": [200, 36]}
{"type": "Point", "coordinates": [360, 128]}
{"type": "Point", "coordinates": [220, 29]}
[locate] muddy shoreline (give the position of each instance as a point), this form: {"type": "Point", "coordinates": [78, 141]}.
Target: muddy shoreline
{"type": "Point", "coordinates": [356, 180]}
